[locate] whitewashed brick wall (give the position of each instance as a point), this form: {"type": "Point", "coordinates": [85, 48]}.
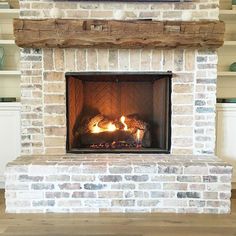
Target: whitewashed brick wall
{"type": "Point", "coordinates": [193, 86]}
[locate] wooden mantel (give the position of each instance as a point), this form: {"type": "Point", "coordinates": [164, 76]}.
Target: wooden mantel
{"type": "Point", "coordinates": [72, 33]}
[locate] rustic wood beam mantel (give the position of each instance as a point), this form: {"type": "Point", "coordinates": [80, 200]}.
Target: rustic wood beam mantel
{"type": "Point", "coordinates": [70, 33]}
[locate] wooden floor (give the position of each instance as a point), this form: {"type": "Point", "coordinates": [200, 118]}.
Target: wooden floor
{"type": "Point", "coordinates": [116, 224]}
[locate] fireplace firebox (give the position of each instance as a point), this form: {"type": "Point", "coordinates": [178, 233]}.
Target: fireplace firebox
{"type": "Point", "coordinates": [118, 112]}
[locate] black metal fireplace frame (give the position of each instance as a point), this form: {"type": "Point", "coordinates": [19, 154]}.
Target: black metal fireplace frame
{"type": "Point", "coordinates": [158, 75]}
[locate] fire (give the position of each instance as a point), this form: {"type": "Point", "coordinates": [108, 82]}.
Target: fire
{"type": "Point", "coordinates": [138, 135]}
{"type": "Point", "coordinates": [111, 127]}
{"type": "Point", "coordinates": [122, 119]}
{"type": "Point", "coordinates": [96, 129]}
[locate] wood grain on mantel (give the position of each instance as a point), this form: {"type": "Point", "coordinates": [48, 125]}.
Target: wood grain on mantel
{"type": "Point", "coordinates": [72, 33]}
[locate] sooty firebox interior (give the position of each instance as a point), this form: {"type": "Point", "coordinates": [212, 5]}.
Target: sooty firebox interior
{"type": "Point", "coordinates": [118, 112]}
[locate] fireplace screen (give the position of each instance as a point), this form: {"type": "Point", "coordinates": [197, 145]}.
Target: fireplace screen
{"type": "Point", "coordinates": [118, 112]}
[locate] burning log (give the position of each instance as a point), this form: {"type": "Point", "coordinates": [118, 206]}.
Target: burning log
{"type": "Point", "coordinates": [99, 131]}
{"type": "Point", "coordinates": [107, 137]}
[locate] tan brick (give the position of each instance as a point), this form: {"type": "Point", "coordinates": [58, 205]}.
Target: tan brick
{"type": "Point", "coordinates": [102, 14]}
{"type": "Point", "coordinates": [54, 99]}
{"type": "Point", "coordinates": [54, 120]}
{"type": "Point", "coordinates": [182, 131]}
{"type": "Point", "coordinates": [59, 59]}
{"type": "Point", "coordinates": [92, 59]}
{"type": "Point", "coordinates": [41, 5]}
{"type": "Point", "coordinates": [183, 78]}
{"type": "Point", "coordinates": [172, 15]}
{"type": "Point", "coordinates": [182, 142]}
{"type": "Point", "coordinates": [180, 120]}
{"type": "Point", "coordinates": [103, 59]}
{"type": "Point", "coordinates": [25, 5]}
{"type": "Point", "coordinates": [48, 59]}
{"type": "Point", "coordinates": [197, 15]}
{"type": "Point", "coordinates": [167, 60]}
{"type": "Point", "coordinates": [182, 99]}
{"type": "Point", "coordinates": [182, 110]}
{"type": "Point", "coordinates": [55, 151]}
{"type": "Point", "coordinates": [162, 6]}
{"type": "Point", "coordinates": [55, 131]}
{"type": "Point", "coordinates": [54, 87]}
{"type": "Point", "coordinates": [189, 60]}
{"type": "Point", "coordinates": [175, 186]}
{"type": "Point", "coordinates": [157, 60]}
{"type": "Point", "coordinates": [124, 59]}
{"type": "Point", "coordinates": [135, 59]}
{"type": "Point", "coordinates": [54, 109]}
{"type": "Point", "coordinates": [178, 59]}
{"type": "Point", "coordinates": [183, 88]}
{"type": "Point", "coordinates": [184, 6]}
{"type": "Point", "coordinates": [81, 59]}
{"type": "Point", "coordinates": [36, 65]}
{"type": "Point", "coordinates": [54, 76]}
{"type": "Point", "coordinates": [113, 59]}
{"type": "Point", "coordinates": [110, 194]}
{"type": "Point", "coordinates": [150, 14]}
{"type": "Point", "coordinates": [66, 5]}
{"type": "Point", "coordinates": [70, 59]}
{"type": "Point", "coordinates": [145, 59]}
{"type": "Point", "coordinates": [77, 14]}
{"type": "Point", "coordinates": [54, 142]}
{"type": "Point", "coordinates": [37, 80]}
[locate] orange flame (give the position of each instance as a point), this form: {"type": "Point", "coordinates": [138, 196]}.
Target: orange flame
{"type": "Point", "coordinates": [111, 127]}
{"type": "Point", "coordinates": [122, 119]}
{"type": "Point", "coordinates": [138, 135]}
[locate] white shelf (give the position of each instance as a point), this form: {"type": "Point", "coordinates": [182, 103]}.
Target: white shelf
{"type": "Point", "coordinates": [227, 12]}
{"type": "Point", "coordinates": [9, 13]}
{"type": "Point", "coordinates": [228, 15]}
{"type": "Point", "coordinates": [230, 43]}
{"type": "Point", "coordinates": [226, 73]}
{"type": "Point", "coordinates": [7, 42]}
{"type": "Point", "coordinates": [10, 72]}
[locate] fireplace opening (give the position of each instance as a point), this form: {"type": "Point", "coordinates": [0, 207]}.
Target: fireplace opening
{"type": "Point", "coordinates": [118, 112]}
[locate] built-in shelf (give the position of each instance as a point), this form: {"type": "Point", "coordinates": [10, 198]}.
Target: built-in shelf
{"type": "Point", "coordinates": [228, 15]}
{"type": "Point", "coordinates": [7, 42]}
{"type": "Point", "coordinates": [228, 12]}
{"type": "Point", "coordinates": [230, 43]}
{"type": "Point", "coordinates": [226, 73]}
{"type": "Point", "coordinates": [9, 13]}
{"type": "Point", "coordinates": [10, 72]}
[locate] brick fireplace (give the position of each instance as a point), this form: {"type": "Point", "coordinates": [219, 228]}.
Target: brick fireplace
{"type": "Point", "coordinates": [188, 178]}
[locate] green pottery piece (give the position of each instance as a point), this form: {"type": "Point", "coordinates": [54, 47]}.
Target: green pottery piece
{"type": "Point", "coordinates": [233, 2]}
{"type": "Point", "coordinates": [233, 67]}
{"type": "Point", "coordinates": [1, 57]}
{"type": "Point", "coordinates": [226, 100]}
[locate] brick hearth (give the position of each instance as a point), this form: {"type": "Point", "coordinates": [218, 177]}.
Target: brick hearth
{"type": "Point", "coordinates": [118, 183]}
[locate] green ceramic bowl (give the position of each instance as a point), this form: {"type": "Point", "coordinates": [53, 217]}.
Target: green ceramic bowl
{"type": "Point", "coordinates": [233, 67]}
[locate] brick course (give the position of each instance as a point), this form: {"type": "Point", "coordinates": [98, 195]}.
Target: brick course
{"type": "Point", "coordinates": [67, 184]}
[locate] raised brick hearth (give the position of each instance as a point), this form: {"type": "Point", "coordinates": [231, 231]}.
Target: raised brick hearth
{"type": "Point", "coordinates": [118, 183]}
{"type": "Point", "coordinates": [189, 179]}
